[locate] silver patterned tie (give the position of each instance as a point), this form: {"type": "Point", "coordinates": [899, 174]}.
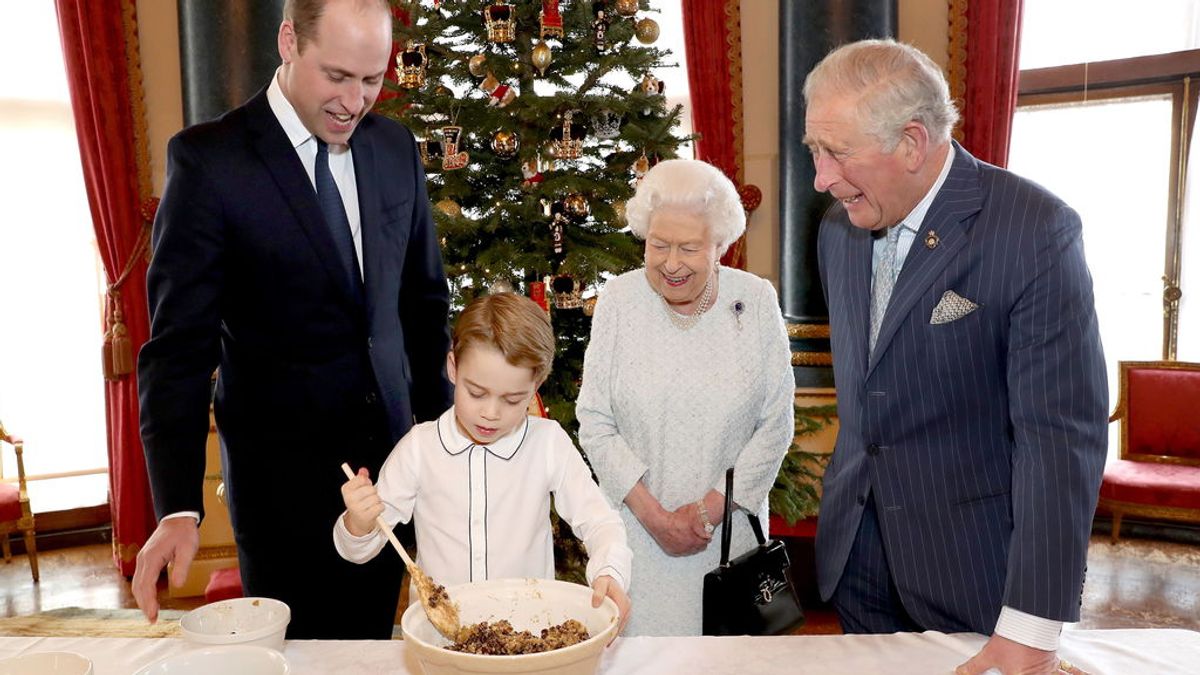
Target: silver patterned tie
{"type": "Point", "coordinates": [884, 282]}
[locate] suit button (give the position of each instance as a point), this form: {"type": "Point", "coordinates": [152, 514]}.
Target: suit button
{"type": "Point", "coordinates": [370, 343]}
{"type": "Point", "coordinates": [862, 500]}
{"type": "Point", "coordinates": [371, 398]}
{"type": "Point", "coordinates": [873, 449]}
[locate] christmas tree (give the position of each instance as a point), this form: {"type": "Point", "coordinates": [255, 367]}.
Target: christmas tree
{"type": "Point", "coordinates": [534, 120]}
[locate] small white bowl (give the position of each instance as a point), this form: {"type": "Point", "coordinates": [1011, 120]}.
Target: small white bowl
{"type": "Point", "coordinates": [46, 663]}
{"type": "Point", "coordinates": [228, 660]}
{"type": "Point", "coordinates": [242, 621]}
{"type": "Point", "coordinates": [528, 604]}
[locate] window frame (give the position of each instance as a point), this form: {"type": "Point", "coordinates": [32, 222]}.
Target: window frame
{"type": "Point", "coordinates": [1176, 74]}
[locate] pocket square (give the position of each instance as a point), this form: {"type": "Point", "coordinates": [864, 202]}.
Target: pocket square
{"type": "Point", "coordinates": [951, 307]}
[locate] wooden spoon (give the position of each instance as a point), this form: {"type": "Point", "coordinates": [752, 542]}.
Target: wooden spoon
{"type": "Point", "coordinates": [442, 612]}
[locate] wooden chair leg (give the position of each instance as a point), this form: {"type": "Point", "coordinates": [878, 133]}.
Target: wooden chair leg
{"type": "Point", "coordinates": [1116, 527]}
{"type": "Point", "coordinates": [6, 547]}
{"type": "Point", "coordinates": [31, 551]}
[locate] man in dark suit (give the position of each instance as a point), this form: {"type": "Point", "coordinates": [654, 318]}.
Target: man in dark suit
{"type": "Point", "coordinates": [294, 248]}
{"type": "Point", "coordinates": [971, 384]}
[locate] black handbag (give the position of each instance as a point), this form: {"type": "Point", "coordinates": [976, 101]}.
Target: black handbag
{"type": "Point", "coordinates": [753, 594]}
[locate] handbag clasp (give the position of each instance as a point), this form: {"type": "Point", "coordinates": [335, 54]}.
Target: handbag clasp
{"type": "Point", "coordinates": [764, 591]}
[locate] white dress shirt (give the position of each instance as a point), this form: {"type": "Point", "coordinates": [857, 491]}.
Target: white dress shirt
{"type": "Point", "coordinates": [483, 511]}
{"type": "Point", "coordinates": [1018, 626]}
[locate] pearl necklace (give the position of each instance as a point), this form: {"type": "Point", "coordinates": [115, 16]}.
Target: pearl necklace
{"type": "Point", "coordinates": [684, 322]}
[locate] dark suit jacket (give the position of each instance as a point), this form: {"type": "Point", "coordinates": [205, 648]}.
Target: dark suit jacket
{"type": "Point", "coordinates": [244, 275]}
{"type": "Point", "coordinates": [983, 440]}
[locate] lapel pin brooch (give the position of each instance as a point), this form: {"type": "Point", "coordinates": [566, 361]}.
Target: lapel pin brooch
{"type": "Point", "coordinates": [738, 308]}
{"type": "Point", "coordinates": [932, 240]}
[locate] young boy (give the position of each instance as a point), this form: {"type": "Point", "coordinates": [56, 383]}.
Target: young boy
{"type": "Point", "coordinates": [478, 479]}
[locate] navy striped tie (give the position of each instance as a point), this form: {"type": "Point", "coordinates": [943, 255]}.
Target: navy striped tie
{"type": "Point", "coordinates": [335, 216]}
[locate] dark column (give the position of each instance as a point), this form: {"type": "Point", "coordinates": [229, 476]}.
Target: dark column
{"type": "Point", "coordinates": [809, 30]}
{"type": "Point", "coordinates": [227, 52]}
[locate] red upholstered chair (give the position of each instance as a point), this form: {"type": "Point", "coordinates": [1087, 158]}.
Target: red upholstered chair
{"type": "Point", "coordinates": [1158, 473]}
{"type": "Point", "coordinates": [15, 513]}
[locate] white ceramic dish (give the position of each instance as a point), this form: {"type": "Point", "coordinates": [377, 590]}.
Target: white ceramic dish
{"type": "Point", "coordinates": [226, 660]}
{"type": "Point", "coordinates": [244, 621]}
{"type": "Point", "coordinates": [46, 663]}
{"type": "Point", "coordinates": [528, 604]}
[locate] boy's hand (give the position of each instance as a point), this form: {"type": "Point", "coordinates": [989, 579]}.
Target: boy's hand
{"type": "Point", "coordinates": [606, 585]}
{"type": "Point", "coordinates": [363, 505]}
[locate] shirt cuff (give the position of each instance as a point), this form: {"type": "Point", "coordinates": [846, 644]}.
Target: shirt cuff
{"type": "Point", "coordinates": [615, 574]}
{"type": "Point", "coordinates": [1029, 630]}
{"type": "Point", "coordinates": [183, 514]}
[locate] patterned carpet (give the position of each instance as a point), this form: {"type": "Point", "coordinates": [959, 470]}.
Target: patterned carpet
{"type": "Point", "coordinates": [82, 622]}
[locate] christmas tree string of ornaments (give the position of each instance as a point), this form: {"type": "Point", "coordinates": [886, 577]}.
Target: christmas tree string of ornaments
{"type": "Point", "coordinates": [534, 121]}
{"type": "Point", "coordinates": [565, 141]}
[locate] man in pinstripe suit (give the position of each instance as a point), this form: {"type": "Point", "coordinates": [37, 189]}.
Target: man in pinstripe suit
{"type": "Point", "coordinates": [970, 377]}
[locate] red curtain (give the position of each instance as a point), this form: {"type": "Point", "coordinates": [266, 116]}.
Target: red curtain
{"type": "Point", "coordinates": [99, 39]}
{"type": "Point", "coordinates": [985, 41]}
{"type": "Point", "coordinates": [712, 39]}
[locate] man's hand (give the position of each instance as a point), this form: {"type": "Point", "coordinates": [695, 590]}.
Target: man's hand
{"type": "Point", "coordinates": [606, 585]}
{"type": "Point", "coordinates": [1014, 658]}
{"type": "Point", "coordinates": [363, 504]}
{"type": "Point", "coordinates": [175, 540]}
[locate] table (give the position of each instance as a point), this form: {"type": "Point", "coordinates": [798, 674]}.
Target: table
{"type": "Point", "coordinates": [1099, 651]}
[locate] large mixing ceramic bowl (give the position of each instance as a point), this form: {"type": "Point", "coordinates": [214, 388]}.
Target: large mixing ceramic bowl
{"type": "Point", "coordinates": [528, 604]}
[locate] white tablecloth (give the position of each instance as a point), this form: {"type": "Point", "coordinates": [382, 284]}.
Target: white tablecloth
{"type": "Point", "coordinates": [1101, 652]}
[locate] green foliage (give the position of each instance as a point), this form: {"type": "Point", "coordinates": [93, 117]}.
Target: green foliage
{"type": "Point", "coordinates": [794, 495]}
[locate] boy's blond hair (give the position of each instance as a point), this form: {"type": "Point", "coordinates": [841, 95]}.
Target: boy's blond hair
{"type": "Point", "coordinates": [511, 323]}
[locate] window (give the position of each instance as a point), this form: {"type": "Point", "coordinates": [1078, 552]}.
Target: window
{"type": "Point", "coordinates": [1114, 139]}
{"type": "Point", "coordinates": [51, 387]}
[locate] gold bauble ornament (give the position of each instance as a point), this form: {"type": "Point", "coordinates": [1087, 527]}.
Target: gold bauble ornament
{"type": "Point", "coordinates": [646, 31]}
{"type": "Point", "coordinates": [449, 207]}
{"type": "Point", "coordinates": [627, 7]}
{"type": "Point", "coordinates": [505, 144]}
{"type": "Point", "coordinates": [541, 57]}
{"type": "Point", "coordinates": [478, 65]}
{"type": "Point", "coordinates": [619, 209]}
{"type": "Point", "coordinates": [641, 165]}
{"type": "Point", "coordinates": [576, 205]}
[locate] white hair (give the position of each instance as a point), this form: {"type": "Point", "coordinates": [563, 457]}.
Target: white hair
{"type": "Point", "coordinates": [896, 83]}
{"type": "Point", "coordinates": [689, 185]}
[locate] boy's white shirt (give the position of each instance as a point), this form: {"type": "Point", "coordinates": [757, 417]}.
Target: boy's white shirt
{"type": "Point", "coordinates": [483, 512]}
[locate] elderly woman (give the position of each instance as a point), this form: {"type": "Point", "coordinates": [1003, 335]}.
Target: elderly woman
{"type": "Point", "coordinates": [687, 374]}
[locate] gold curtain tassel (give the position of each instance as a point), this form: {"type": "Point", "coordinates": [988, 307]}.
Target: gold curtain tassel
{"type": "Point", "coordinates": [122, 350]}
{"type": "Point", "coordinates": [116, 354]}
{"type": "Point", "coordinates": [106, 357]}
{"type": "Point", "coordinates": [106, 349]}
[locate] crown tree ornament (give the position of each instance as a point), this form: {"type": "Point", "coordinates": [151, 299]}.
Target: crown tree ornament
{"type": "Point", "coordinates": [410, 66]}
